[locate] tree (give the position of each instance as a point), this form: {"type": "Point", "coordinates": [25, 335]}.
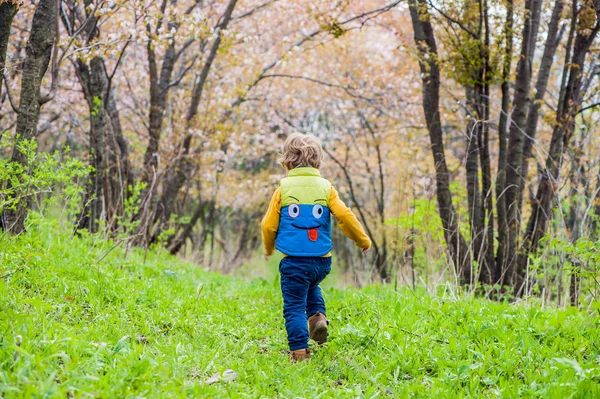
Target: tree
{"type": "Point", "coordinates": [38, 54]}
{"type": "Point", "coordinates": [152, 212]}
{"type": "Point", "coordinates": [108, 183]}
{"type": "Point", "coordinates": [430, 72]}
{"type": "Point", "coordinates": [587, 25]}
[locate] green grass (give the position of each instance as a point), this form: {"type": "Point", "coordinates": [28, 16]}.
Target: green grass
{"type": "Point", "coordinates": [79, 321]}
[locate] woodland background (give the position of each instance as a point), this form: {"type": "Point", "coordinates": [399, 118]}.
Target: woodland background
{"type": "Point", "coordinates": [463, 133]}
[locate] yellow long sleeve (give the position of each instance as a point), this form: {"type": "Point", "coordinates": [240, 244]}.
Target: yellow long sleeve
{"type": "Point", "coordinates": [347, 221]}
{"type": "Point", "coordinates": [270, 223]}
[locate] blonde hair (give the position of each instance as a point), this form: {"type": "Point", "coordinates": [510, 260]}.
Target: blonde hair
{"type": "Point", "coordinates": [301, 150]}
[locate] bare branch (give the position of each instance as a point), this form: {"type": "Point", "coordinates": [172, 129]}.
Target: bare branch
{"type": "Point", "coordinates": [184, 46]}
{"type": "Point", "coordinates": [252, 11]}
{"type": "Point", "coordinates": [347, 89]}
{"type": "Point", "coordinates": [183, 72]}
{"type": "Point", "coordinates": [191, 8]}
{"type": "Point", "coordinates": [201, 79]}
{"type": "Point", "coordinates": [47, 124]}
{"type": "Point", "coordinates": [163, 7]}
{"type": "Point", "coordinates": [359, 208]}
{"type": "Point", "coordinates": [588, 107]}
{"type": "Point", "coordinates": [57, 63]}
{"type": "Point", "coordinates": [110, 78]}
{"type": "Point", "coordinates": [10, 99]}
{"type": "Point", "coordinates": [65, 20]}
{"type": "Point", "coordinates": [449, 18]}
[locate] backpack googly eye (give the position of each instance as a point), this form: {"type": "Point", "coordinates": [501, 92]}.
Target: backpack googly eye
{"type": "Point", "coordinates": [317, 211]}
{"type": "Point", "coordinates": [294, 210]}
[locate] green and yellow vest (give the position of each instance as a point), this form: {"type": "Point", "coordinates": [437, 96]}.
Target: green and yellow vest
{"type": "Point", "coordinates": [305, 219]}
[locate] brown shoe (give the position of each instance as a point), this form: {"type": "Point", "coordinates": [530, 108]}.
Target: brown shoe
{"type": "Point", "coordinates": [317, 328]}
{"type": "Point", "coordinates": [300, 355]}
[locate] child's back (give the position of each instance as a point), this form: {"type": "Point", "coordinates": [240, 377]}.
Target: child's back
{"type": "Point", "coordinates": [298, 224]}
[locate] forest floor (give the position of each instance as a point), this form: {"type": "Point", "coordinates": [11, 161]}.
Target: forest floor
{"type": "Point", "coordinates": [81, 318]}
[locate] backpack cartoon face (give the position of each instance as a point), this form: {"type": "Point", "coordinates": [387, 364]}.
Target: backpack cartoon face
{"type": "Point", "coordinates": [304, 230]}
{"type": "Point", "coordinates": [305, 221]}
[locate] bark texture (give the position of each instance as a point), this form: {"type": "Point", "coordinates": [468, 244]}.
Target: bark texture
{"type": "Point", "coordinates": [7, 13]}
{"type": "Point", "coordinates": [94, 82]}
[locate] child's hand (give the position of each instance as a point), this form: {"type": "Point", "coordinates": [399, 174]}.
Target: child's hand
{"type": "Point", "coordinates": [365, 250]}
{"type": "Point", "coordinates": [267, 257]}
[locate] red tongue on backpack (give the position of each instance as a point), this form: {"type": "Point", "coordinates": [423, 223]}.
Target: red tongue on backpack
{"type": "Point", "coordinates": [313, 234]}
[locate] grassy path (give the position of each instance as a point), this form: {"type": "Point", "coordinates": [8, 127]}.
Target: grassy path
{"type": "Point", "coordinates": [71, 326]}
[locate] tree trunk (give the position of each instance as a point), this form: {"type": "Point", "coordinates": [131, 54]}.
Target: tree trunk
{"type": "Point", "coordinates": [550, 47]}
{"type": "Point", "coordinates": [37, 58]}
{"type": "Point", "coordinates": [377, 250]}
{"type": "Point", "coordinates": [177, 243]}
{"type": "Point", "coordinates": [94, 83]}
{"type": "Point", "coordinates": [574, 288]}
{"type": "Point", "coordinates": [488, 268]}
{"type": "Point", "coordinates": [476, 219]}
{"type": "Point", "coordinates": [116, 183]}
{"type": "Point", "coordinates": [107, 188]}
{"type": "Point", "coordinates": [501, 254]}
{"type": "Point", "coordinates": [574, 202]}
{"type": "Point", "coordinates": [381, 251]}
{"type": "Point", "coordinates": [487, 259]}
{"type": "Point", "coordinates": [488, 263]}
{"type": "Point", "coordinates": [95, 203]}
{"type": "Point", "coordinates": [561, 134]}
{"type": "Point", "coordinates": [428, 62]}
{"type": "Point", "coordinates": [594, 224]}
{"type": "Point", "coordinates": [7, 13]}
{"type": "Point", "coordinates": [121, 148]}
{"type": "Point", "coordinates": [515, 144]}
{"type": "Point", "coordinates": [159, 93]}
{"type": "Point", "coordinates": [479, 195]}
{"type": "Point", "coordinates": [573, 220]}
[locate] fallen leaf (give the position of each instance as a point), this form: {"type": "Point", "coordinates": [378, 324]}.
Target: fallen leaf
{"type": "Point", "coordinates": [213, 379]}
{"type": "Point", "coordinates": [228, 375]}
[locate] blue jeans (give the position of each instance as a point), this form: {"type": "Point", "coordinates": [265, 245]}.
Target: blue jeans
{"type": "Point", "coordinates": [300, 279]}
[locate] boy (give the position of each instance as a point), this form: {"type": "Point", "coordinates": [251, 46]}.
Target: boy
{"type": "Point", "coordinates": [298, 224]}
